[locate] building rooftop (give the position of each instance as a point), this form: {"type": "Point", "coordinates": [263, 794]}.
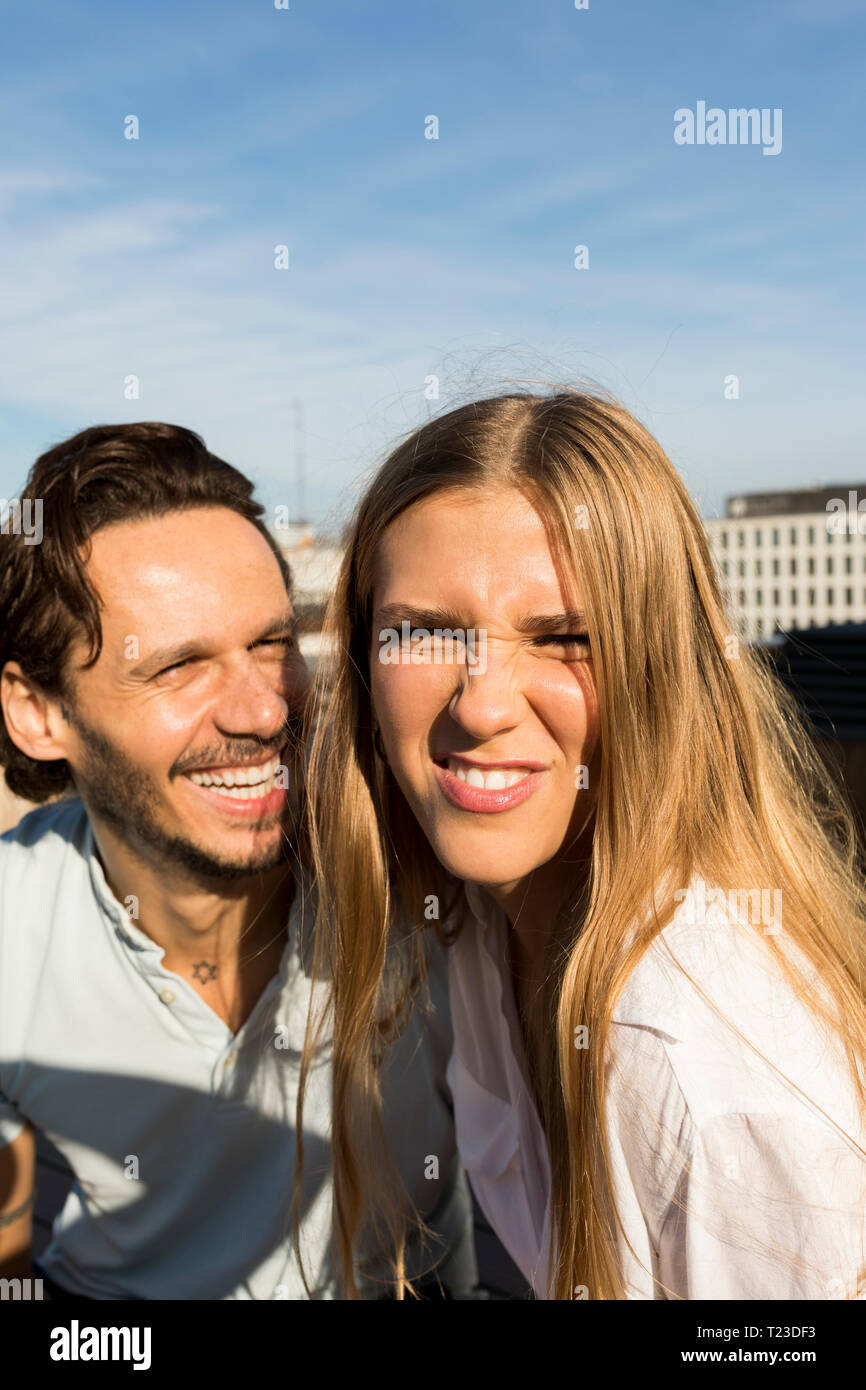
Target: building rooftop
{"type": "Point", "coordinates": [794, 501]}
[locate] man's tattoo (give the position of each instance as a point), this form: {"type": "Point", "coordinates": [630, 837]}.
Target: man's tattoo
{"type": "Point", "coordinates": [203, 971]}
{"type": "Point", "coordinates": [7, 1218]}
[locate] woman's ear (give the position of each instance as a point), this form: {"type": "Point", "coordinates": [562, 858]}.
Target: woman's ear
{"type": "Point", "coordinates": [378, 744]}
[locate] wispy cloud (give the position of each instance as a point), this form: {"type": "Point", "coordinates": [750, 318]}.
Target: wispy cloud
{"type": "Point", "coordinates": [411, 257]}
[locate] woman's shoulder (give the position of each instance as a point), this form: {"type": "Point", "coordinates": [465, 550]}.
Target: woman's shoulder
{"type": "Point", "coordinates": [720, 947]}
{"type": "Point", "coordinates": [710, 946]}
{"type": "Point", "coordinates": [737, 1035]}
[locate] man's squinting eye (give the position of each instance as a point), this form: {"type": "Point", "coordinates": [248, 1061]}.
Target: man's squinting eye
{"type": "Point", "coordinates": [287, 642]}
{"type": "Point", "coordinates": [176, 666]}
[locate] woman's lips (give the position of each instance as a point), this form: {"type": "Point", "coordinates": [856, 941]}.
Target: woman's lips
{"type": "Point", "coordinates": [479, 798]}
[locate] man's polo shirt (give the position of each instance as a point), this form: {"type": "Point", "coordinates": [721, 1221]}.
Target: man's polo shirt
{"type": "Point", "coordinates": [180, 1133]}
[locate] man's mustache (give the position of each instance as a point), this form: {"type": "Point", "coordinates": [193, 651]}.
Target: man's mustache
{"type": "Point", "coordinates": [242, 752]}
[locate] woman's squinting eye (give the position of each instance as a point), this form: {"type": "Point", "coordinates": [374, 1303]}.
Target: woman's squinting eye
{"type": "Point", "coordinates": [573, 641]}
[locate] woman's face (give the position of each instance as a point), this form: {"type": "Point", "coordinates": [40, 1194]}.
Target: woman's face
{"type": "Point", "coordinates": [488, 756]}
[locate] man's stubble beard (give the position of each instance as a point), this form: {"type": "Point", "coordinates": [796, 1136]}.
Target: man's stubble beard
{"type": "Point", "coordinates": [117, 789]}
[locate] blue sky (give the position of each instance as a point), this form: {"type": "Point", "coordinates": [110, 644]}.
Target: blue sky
{"type": "Point", "coordinates": [411, 257]}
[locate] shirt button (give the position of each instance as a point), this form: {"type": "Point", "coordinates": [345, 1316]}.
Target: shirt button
{"type": "Point", "coordinates": [167, 996]}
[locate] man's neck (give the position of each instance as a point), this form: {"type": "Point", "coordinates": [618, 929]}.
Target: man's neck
{"type": "Point", "coordinates": [225, 936]}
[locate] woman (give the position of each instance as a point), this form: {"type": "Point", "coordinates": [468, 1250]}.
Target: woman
{"type": "Point", "coordinates": [646, 877]}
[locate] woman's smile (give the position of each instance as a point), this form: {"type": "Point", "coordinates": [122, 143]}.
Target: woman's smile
{"type": "Point", "coordinates": [487, 786]}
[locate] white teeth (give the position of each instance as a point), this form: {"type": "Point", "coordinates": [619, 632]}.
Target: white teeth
{"type": "Point", "coordinates": [495, 779]}
{"type": "Point", "coordinates": [240, 783]}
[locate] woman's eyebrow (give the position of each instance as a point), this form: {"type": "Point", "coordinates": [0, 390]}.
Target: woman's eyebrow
{"type": "Point", "coordinates": [553, 622]}
{"type": "Point", "coordinates": [392, 614]}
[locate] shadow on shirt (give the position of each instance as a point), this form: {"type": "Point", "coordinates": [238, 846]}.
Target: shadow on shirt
{"type": "Point", "coordinates": [201, 1196]}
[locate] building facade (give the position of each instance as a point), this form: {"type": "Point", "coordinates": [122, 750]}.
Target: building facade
{"type": "Point", "coordinates": [793, 559]}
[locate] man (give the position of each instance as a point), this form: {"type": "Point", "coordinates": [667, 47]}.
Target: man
{"type": "Point", "coordinates": [155, 925]}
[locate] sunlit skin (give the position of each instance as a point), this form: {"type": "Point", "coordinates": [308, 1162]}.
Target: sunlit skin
{"type": "Point", "coordinates": [456, 560]}
{"type": "Point", "coordinates": [200, 670]}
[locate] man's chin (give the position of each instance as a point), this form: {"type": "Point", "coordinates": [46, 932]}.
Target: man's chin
{"type": "Point", "coordinates": [172, 832]}
{"type": "Point", "coordinates": [258, 849]}
{"type": "Point", "coordinates": [229, 862]}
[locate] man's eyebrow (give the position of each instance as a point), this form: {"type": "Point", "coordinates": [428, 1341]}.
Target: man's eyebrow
{"type": "Point", "coordinates": [392, 614]}
{"type": "Point", "coordinates": [284, 626]}
{"type": "Point", "coordinates": [287, 625]}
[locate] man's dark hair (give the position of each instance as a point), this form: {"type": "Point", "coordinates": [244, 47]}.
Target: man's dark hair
{"type": "Point", "coordinates": [105, 474]}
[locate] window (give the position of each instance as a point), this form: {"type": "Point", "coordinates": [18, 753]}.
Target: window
{"type": "Point", "coordinates": [811, 535]}
{"type": "Point", "coordinates": [776, 599]}
{"type": "Point", "coordinates": [811, 598]}
{"type": "Point", "coordinates": [724, 536]}
{"type": "Point", "coordinates": [849, 564]}
{"type": "Point", "coordinates": [829, 564]}
{"type": "Point", "coordinates": [758, 568]}
{"type": "Point", "coordinates": [775, 535]}
{"type": "Point", "coordinates": [849, 597]}
{"type": "Point", "coordinates": [830, 596]}
{"type": "Point", "coordinates": [759, 597]}
{"type": "Point", "coordinates": [759, 626]}
{"type": "Point", "coordinates": [741, 538]}
{"type": "Point", "coordinates": [742, 598]}
{"type": "Point", "coordinates": [792, 566]}
{"type": "Point", "coordinates": [775, 566]}
{"type": "Point", "coordinates": [725, 568]}
{"type": "Point", "coordinates": [741, 569]}
{"type": "Point", "coordinates": [758, 537]}
{"type": "Point", "coordinates": [793, 535]}
{"type": "Point", "coordinates": [811, 564]}
{"type": "Point", "coordinates": [793, 598]}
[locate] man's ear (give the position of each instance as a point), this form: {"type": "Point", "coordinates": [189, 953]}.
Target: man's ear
{"type": "Point", "coordinates": [37, 723]}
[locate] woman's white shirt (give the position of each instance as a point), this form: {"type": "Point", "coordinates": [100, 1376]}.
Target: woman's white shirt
{"type": "Point", "coordinates": [728, 1181]}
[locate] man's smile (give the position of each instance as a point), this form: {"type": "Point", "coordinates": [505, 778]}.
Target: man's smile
{"type": "Point", "coordinates": [248, 790]}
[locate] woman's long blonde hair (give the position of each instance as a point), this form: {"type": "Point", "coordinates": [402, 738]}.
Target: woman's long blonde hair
{"type": "Point", "coordinates": [706, 770]}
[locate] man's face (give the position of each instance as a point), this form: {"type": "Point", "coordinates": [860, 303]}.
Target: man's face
{"type": "Point", "coordinates": [196, 700]}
